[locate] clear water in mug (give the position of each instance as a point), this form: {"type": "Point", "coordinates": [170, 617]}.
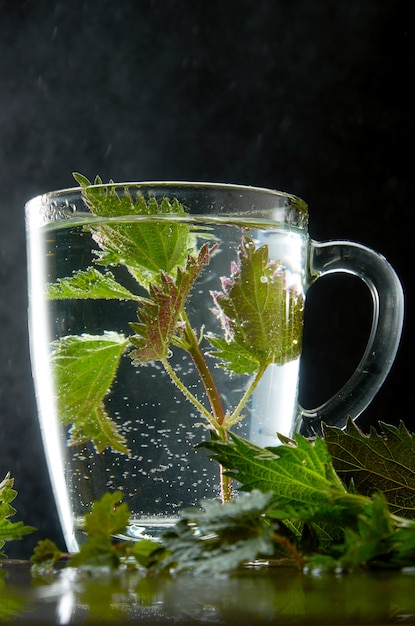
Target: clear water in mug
{"type": "Point", "coordinates": [165, 471]}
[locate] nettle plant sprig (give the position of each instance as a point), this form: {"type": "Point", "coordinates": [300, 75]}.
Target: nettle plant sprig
{"type": "Point", "coordinates": [261, 318]}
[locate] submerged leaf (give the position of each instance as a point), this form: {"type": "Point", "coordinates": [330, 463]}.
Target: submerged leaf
{"type": "Point", "coordinates": [262, 317]}
{"type": "Point", "coordinates": [84, 368]}
{"type": "Point", "coordinates": [89, 284]}
{"type": "Point", "coordinates": [160, 315]}
{"type": "Point", "coordinates": [378, 462]}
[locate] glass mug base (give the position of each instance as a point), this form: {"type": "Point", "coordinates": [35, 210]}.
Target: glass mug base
{"type": "Point", "coordinates": [137, 529]}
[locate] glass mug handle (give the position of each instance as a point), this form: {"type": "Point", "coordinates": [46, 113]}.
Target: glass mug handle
{"type": "Point", "coordinates": [388, 306]}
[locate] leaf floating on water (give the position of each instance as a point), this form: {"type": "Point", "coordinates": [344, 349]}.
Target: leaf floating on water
{"type": "Point", "coordinates": [146, 246]}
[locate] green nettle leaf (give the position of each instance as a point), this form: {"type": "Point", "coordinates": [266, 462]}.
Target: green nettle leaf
{"type": "Point", "coordinates": [45, 554]}
{"type": "Point", "coordinates": [108, 515]}
{"type": "Point", "coordinates": [402, 546]}
{"type": "Point", "coordinates": [160, 316]}
{"type": "Point", "coordinates": [107, 518]}
{"type": "Point", "coordinates": [261, 316]}
{"type": "Point", "coordinates": [147, 552]}
{"type": "Point", "coordinates": [378, 462]}
{"type": "Point", "coordinates": [9, 530]}
{"type": "Point", "coordinates": [234, 356]}
{"type": "Point", "coordinates": [218, 538]}
{"type": "Point", "coordinates": [146, 244]}
{"type": "Point", "coordinates": [372, 537]}
{"type": "Point", "coordinates": [299, 474]}
{"type": "Point", "coordinates": [90, 284]}
{"type": "Point", "coordinates": [84, 367]}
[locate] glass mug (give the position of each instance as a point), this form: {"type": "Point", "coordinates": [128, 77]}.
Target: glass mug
{"type": "Point", "coordinates": [161, 311]}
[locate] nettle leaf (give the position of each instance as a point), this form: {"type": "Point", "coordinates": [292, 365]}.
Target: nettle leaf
{"type": "Point", "coordinates": [234, 356]}
{"type": "Point", "coordinates": [9, 530]}
{"type": "Point", "coordinates": [160, 315]}
{"type": "Point", "coordinates": [107, 518]}
{"type": "Point", "coordinates": [219, 537]}
{"type": "Point", "coordinates": [261, 316]}
{"type": "Point", "coordinates": [402, 543]}
{"type": "Point", "coordinates": [85, 368]}
{"type": "Point", "coordinates": [299, 473]}
{"type": "Point", "coordinates": [146, 244]}
{"type": "Point", "coordinates": [45, 555]}
{"type": "Point", "coordinates": [89, 284]}
{"type": "Point", "coordinates": [7, 495]}
{"type": "Point", "coordinates": [376, 462]}
{"type": "Point", "coordinates": [147, 552]}
{"type": "Point", "coordinates": [374, 536]}
{"type": "Point", "coordinates": [108, 515]}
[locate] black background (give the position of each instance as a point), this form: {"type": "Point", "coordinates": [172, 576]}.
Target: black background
{"type": "Point", "coordinates": [307, 96]}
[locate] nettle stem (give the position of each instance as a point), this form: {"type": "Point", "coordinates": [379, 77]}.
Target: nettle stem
{"type": "Point", "coordinates": [216, 417]}
{"type": "Point", "coordinates": [206, 377]}
{"type": "Point", "coordinates": [236, 415]}
{"type": "Point", "coordinates": [215, 402]}
{"type": "Point", "coordinates": [185, 391]}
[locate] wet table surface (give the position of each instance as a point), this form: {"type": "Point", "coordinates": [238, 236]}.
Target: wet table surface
{"type": "Point", "coordinates": [258, 594]}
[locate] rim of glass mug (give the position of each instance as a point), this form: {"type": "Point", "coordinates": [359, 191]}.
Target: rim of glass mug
{"type": "Point", "coordinates": [281, 206]}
